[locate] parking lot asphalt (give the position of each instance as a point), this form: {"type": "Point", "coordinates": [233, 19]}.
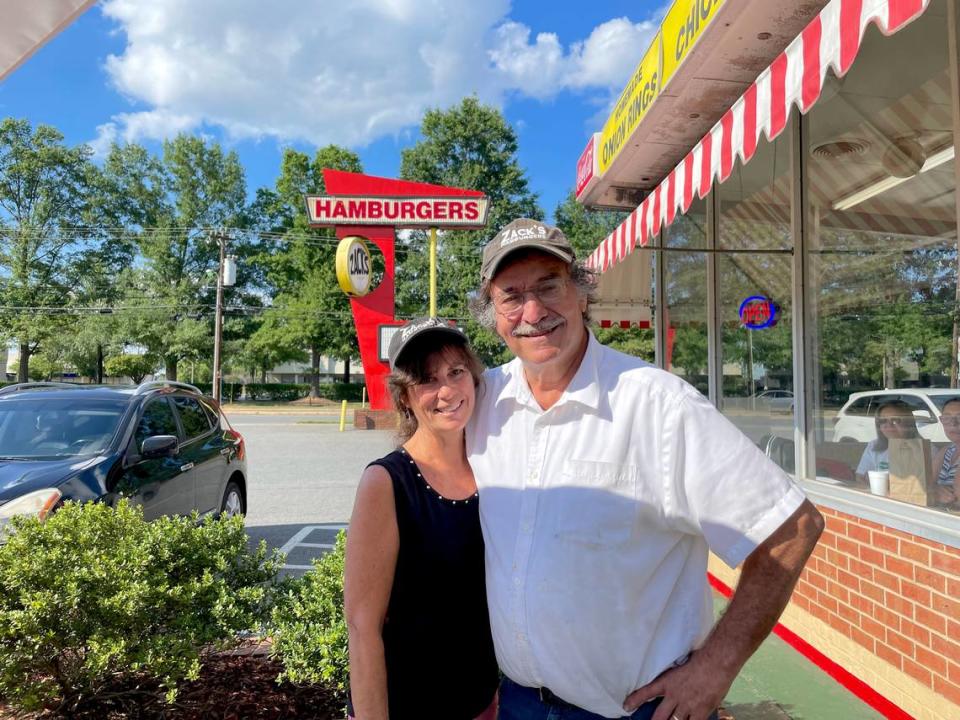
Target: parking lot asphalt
{"type": "Point", "coordinates": [303, 475]}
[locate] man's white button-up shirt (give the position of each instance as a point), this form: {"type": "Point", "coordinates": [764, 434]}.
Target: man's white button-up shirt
{"type": "Point", "coordinates": [597, 516]}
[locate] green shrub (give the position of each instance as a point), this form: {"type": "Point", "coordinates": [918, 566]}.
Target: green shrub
{"type": "Point", "coordinates": [309, 629]}
{"type": "Point", "coordinates": [96, 595]}
{"type": "Point", "coordinates": [286, 392]}
{"type": "Point", "coordinates": [277, 392]}
{"type": "Point", "coordinates": [352, 392]}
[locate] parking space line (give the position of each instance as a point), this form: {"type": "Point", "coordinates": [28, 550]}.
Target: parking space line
{"type": "Point", "coordinates": [297, 541]}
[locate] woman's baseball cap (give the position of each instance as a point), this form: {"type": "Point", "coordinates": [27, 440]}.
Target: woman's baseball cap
{"type": "Point", "coordinates": [417, 328]}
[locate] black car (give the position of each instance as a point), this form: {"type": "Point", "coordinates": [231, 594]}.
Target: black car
{"type": "Point", "coordinates": [162, 444]}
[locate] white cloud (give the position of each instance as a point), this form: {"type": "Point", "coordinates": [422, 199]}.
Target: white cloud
{"type": "Point", "coordinates": [345, 72]}
{"type": "Point", "coordinates": [611, 53]}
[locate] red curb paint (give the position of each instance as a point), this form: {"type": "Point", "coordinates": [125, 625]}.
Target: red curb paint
{"type": "Point", "coordinates": [847, 679]}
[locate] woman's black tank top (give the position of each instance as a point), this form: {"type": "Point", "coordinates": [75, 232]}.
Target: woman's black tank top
{"type": "Point", "coordinates": [439, 652]}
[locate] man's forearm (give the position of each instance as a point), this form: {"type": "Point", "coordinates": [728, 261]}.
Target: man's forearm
{"type": "Point", "coordinates": [766, 583]}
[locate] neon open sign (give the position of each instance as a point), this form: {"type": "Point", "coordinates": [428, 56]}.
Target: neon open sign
{"type": "Point", "coordinates": [758, 312]}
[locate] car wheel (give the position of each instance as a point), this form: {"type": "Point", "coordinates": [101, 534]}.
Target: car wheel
{"type": "Point", "coordinates": [233, 502]}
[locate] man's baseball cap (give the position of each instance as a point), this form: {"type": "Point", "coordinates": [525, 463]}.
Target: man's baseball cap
{"type": "Point", "coordinates": [524, 233]}
{"type": "Point", "coordinates": [417, 328]}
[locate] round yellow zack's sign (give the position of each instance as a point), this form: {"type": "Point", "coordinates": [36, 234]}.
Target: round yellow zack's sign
{"type": "Point", "coordinates": [353, 266]}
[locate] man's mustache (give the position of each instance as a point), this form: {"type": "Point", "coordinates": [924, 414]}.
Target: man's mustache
{"type": "Point", "coordinates": [525, 329]}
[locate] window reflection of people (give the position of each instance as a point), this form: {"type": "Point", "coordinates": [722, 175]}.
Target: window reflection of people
{"type": "Point", "coordinates": [946, 461]}
{"type": "Point", "coordinates": [894, 421]}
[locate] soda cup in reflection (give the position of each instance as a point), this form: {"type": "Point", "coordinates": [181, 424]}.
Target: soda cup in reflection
{"type": "Point", "coordinates": [879, 481]}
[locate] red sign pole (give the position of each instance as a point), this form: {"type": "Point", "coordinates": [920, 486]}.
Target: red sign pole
{"type": "Point", "coordinates": [373, 310]}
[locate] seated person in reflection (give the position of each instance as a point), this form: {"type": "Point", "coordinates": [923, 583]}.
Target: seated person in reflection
{"type": "Point", "coordinates": [894, 421]}
{"type": "Point", "coordinates": [946, 461]}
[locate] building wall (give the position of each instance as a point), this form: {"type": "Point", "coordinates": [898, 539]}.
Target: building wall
{"type": "Point", "coordinates": [885, 606]}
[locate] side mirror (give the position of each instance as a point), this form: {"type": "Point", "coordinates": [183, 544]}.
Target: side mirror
{"type": "Point", "coordinates": [159, 446]}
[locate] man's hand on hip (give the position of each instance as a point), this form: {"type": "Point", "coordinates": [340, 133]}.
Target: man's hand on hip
{"type": "Point", "coordinates": [690, 692]}
{"type": "Point", "coordinates": [694, 690]}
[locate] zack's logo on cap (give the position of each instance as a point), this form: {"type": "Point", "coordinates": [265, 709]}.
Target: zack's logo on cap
{"type": "Point", "coordinates": [416, 327]}
{"type": "Point", "coordinates": [512, 235]}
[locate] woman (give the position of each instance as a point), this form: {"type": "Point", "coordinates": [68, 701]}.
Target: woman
{"type": "Point", "coordinates": [894, 421]}
{"type": "Point", "coordinates": [414, 592]}
{"type": "Point", "coordinates": [946, 461]}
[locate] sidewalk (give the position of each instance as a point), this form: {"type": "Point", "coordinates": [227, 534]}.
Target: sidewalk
{"type": "Point", "coordinates": [778, 683]}
{"type": "Point", "coordinates": [252, 408]}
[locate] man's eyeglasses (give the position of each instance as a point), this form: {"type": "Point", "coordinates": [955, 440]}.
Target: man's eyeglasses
{"type": "Point", "coordinates": [950, 420]}
{"type": "Point", "coordinates": [549, 292]}
{"type": "Point", "coordinates": [898, 421]}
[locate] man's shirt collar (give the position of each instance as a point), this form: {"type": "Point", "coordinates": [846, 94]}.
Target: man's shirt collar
{"type": "Point", "coordinates": [583, 389]}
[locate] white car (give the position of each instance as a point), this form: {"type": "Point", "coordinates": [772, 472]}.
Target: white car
{"type": "Point", "coordinates": [855, 421]}
{"type": "Point", "coordinates": [776, 401]}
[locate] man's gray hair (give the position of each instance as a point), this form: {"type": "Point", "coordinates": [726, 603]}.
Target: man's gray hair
{"type": "Point", "coordinates": [583, 278]}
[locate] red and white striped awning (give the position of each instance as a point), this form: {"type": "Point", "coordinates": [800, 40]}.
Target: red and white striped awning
{"type": "Point", "coordinates": [796, 77]}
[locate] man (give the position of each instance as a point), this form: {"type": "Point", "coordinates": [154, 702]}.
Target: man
{"type": "Point", "coordinates": [603, 483]}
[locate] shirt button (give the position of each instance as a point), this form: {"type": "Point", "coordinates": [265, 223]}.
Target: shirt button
{"type": "Point", "coordinates": [516, 582]}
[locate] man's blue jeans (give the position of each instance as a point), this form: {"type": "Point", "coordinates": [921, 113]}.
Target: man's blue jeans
{"type": "Point", "coordinates": [522, 703]}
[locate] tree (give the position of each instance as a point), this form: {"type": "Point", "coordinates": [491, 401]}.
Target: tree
{"type": "Point", "coordinates": [310, 314]}
{"type": "Point", "coordinates": [173, 207]}
{"type": "Point", "coordinates": [585, 228]}
{"type": "Point", "coordinates": [472, 146]}
{"type": "Point", "coordinates": [135, 367]}
{"type": "Point", "coordinates": [43, 199]}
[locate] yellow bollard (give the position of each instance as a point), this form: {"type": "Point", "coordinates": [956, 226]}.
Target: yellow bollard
{"type": "Point", "coordinates": [343, 415]}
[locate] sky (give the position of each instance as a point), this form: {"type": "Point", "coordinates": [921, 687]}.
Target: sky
{"type": "Point", "coordinates": [259, 76]}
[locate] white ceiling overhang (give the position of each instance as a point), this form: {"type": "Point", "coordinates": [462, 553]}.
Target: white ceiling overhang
{"type": "Point", "coordinates": [25, 25]}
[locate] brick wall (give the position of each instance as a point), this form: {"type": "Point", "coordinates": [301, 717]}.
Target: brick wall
{"type": "Point", "coordinates": [885, 606]}
{"type": "Point", "coordinates": [894, 594]}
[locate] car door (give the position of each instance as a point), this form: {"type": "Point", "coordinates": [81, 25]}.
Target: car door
{"type": "Point", "coordinates": [160, 485]}
{"type": "Point", "coordinates": [202, 450]}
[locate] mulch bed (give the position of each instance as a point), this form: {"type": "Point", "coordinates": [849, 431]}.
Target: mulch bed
{"type": "Point", "coordinates": [232, 686]}
{"type": "Point", "coordinates": [237, 685]}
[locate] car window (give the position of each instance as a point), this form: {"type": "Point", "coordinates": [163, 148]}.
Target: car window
{"type": "Point", "coordinates": [39, 427]}
{"type": "Point", "coordinates": [860, 407]}
{"type": "Point", "coordinates": [194, 420]}
{"type": "Point", "coordinates": [157, 419]}
{"type": "Point", "coordinates": [877, 400]}
{"type": "Point", "coordinates": [211, 412]}
{"type": "Point", "coordinates": [941, 400]}
{"type": "Point", "coordinates": [915, 403]}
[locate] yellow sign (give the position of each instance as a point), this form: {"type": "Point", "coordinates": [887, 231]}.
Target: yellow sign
{"type": "Point", "coordinates": [635, 100]}
{"type": "Point", "coordinates": [353, 266]}
{"type": "Point", "coordinates": [681, 27]}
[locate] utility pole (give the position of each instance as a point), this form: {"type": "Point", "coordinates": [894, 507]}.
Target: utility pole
{"type": "Point", "coordinates": [218, 321]}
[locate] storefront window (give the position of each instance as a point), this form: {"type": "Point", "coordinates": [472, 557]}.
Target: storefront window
{"type": "Point", "coordinates": [685, 287]}
{"type": "Point", "coordinates": [881, 191]}
{"type": "Point", "coordinates": [754, 273]}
